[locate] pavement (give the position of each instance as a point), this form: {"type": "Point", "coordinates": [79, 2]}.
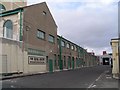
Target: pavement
{"type": "Point", "coordinates": [105, 80]}
{"type": "Point", "coordinates": [26, 74]}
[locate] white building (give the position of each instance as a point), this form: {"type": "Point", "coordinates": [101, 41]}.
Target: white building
{"type": "Point", "coordinates": [105, 59]}
{"type": "Point", "coordinates": [116, 62]}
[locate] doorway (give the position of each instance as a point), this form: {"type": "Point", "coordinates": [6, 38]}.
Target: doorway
{"type": "Point", "coordinates": [106, 61]}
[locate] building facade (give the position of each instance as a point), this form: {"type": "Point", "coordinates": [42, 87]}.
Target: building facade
{"type": "Point", "coordinates": [105, 59]}
{"type": "Point", "coordinates": [116, 59]}
{"type": "Point", "coordinates": [30, 43]}
{"type": "Point", "coordinates": [6, 5]}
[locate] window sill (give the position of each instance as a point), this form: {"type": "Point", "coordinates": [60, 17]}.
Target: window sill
{"type": "Point", "coordinates": [51, 42]}
{"type": "Point", "coordinates": [41, 38]}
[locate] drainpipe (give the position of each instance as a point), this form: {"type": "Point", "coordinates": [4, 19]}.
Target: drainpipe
{"type": "Point", "coordinates": [60, 56]}
{"type": "Point", "coordinates": [20, 37]}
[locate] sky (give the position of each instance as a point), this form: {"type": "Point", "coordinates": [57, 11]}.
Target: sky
{"type": "Point", "coordinates": [90, 24]}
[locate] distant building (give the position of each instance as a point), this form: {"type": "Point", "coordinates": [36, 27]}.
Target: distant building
{"type": "Point", "coordinates": [92, 53]}
{"type": "Point", "coordinates": [105, 59]}
{"type": "Point", "coordinates": [30, 43]}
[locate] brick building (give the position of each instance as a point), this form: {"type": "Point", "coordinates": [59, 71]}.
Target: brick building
{"type": "Point", "coordinates": [30, 43]}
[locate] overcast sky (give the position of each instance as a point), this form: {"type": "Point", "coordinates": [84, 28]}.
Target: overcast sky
{"type": "Point", "coordinates": [90, 24]}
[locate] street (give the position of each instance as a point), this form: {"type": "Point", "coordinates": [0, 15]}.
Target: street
{"type": "Point", "coordinates": [79, 78]}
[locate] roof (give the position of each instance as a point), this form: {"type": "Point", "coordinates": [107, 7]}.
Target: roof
{"type": "Point", "coordinates": [14, 11]}
{"type": "Point", "coordinates": [69, 41]}
{"type": "Point", "coordinates": [116, 39]}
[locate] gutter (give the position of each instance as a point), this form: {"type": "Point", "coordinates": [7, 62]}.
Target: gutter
{"type": "Point", "coordinates": [11, 12]}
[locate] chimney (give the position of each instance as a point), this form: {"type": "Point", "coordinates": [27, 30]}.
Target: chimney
{"type": "Point", "coordinates": [104, 52]}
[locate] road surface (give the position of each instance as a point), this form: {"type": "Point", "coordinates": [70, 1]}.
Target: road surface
{"type": "Point", "coordinates": [79, 78]}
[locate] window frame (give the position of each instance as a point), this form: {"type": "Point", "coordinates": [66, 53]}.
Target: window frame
{"type": "Point", "coordinates": [39, 32]}
{"type": "Point", "coordinates": [68, 45]}
{"type": "Point", "coordinates": [51, 37]}
{"type": "Point", "coordinates": [3, 8]}
{"type": "Point", "coordinates": [6, 33]}
{"type": "Point", "coordinates": [75, 47]}
{"type": "Point", "coordinates": [72, 46]}
{"type": "Point", "coordinates": [62, 41]}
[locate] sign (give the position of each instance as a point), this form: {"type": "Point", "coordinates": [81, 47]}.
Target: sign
{"type": "Point", "coordinates": [35, 52]}
{"type": "Point", "coordinates": [41, 60]}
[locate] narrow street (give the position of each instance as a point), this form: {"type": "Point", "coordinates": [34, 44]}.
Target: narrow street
{"type": "Point", "coordinates": [79, 78]}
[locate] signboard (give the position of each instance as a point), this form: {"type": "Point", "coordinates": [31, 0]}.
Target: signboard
{"type": "Point", "coordinates": [41, 60]}
{"type": "Point", "coordinates": [35, 52]}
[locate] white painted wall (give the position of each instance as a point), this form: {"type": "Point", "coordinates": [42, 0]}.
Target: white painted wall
{"type": "Point", "coordinates": [115, 70]}
{"type": "Point", "coordinates": [12, 56]}
{"type": "Point", "coordinates": [15, 20]}
{"type": "Point", "coordinates": [15, 60]}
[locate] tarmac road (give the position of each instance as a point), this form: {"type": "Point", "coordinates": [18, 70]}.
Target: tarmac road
{"type": "Point", "coordinates": [79, 78]}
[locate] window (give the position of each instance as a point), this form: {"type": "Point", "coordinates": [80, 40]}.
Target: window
{"type": "Point", "coordinates": [68, 45]}
{"type": "Point", "coordinates": [51, 38]}
{"type": "Point", "coordinates": [41, 34]}
{"type": "Point", "coordinates": [63, 43]}
{"type": "Point", "coordinates": [72, 47]}
{"type": "Point", "coordinates": [44, 13]}
{"type": "Point", "coordinates": [8, 29]}
{"type": "Point", "coordinates": [2, 8]}
{"type": "Point", "coordinates": [58, 40]}
{"type": "Point", "coordinates": [47, 59]}
{"type": "Point", "coordinates": [75, 48]}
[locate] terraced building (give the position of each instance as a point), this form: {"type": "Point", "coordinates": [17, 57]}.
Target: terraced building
{"type": "Point", "coordinates": [30, 43]}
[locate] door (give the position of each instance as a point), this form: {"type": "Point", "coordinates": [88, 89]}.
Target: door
{"type": "Point", "coordinates": [4, 64]}
{"type": "Point", "coordinates": [69, 63]}
{"type": "Point", "coordinates": [105, 61]}
{"type": "Point", "coordinates": [73, 64]}
{"type": "Point", "coordinates": [50, 65]}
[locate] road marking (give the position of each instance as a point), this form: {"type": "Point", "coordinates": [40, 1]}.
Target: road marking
{"type": "Point", "coordinates": [12, 86]}
{"type": "Point", "coordinates": [99, 77]}
{"type": "Point", "coordinates": [91, 85]}
{"type": "Point", "coordinates": [14, 81]}
{"type": "Point", "coordinates": [108, 77]}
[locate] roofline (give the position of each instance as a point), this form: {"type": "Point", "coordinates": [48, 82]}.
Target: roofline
{"type": "Point", "coordinates": [47, 8]}
{"type": "Point", "coordinates": [69, 41]}
{"type": "Point", "coordinates": [116, 39]}
{"type": "Point", "coordinates": [33, 4]}
{"type": "Point", "coordinates": [11, 12]}
{"type": "Point", "coordinates": [17, 9]}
